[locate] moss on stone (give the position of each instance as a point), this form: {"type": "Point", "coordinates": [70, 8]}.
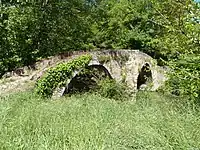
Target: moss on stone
{"type": "Point", "coordinates": [103, 59]}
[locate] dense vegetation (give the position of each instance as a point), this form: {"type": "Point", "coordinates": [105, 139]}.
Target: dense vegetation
{"type": "Point", "coordinates": [167, 30]}
{"type": "Point", "coordinates": [88, 122]}
{"type": "Point", "coordinates": [59, 76]}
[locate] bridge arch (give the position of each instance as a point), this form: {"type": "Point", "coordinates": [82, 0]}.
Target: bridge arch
{"type": "Point", "coordinates": [84, 81]}
{"type": "Point", "coordinates": [145, 77]}
{"type": "Point", "coordinates": [135, 68]}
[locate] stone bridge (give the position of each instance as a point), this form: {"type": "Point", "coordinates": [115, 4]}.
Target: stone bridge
{"type": "Point", "coordinates": [137, 69]}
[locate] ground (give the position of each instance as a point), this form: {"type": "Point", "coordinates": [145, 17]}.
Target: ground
{"type": "Point", "coordinates": [88, 122]}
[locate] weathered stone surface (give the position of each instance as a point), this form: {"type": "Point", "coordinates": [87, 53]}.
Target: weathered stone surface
{"type": "Point", "coordinates": [129, 66]}
{"type": "Point", "coordinates": [122, 65]}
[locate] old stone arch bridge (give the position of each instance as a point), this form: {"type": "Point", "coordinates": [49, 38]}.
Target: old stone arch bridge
{"type": "Point", "coordinates": [136, 68]}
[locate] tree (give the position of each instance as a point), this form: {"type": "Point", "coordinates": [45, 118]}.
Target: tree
{"type": "Point", "coordinates": [35, 29]}
{"type": "Point", "coordinates": [180, 42]}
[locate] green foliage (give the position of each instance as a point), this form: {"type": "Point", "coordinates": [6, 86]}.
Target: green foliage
{"type": "Point", "coordinates": [184, 79]}
{"type": "Point", "coordinates": [178, 29]}
{"type": "Point", "coordinates": [122, 24]}
{"type": "Point", "coordinates": [109, 88]}
{"type": "Point", "coordinates": [179, 41]}
{"type": "Point", "coordinates": [36, 29]}
{"type": "Point", "coordinates": [59, 75]}
{"type": "Point", "coordinates": [161, 29]}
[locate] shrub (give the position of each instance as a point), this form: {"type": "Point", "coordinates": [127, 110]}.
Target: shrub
{"type": "Point", "coordinates": [184, 79]}
{"type": "Point", "coordinates": [109, 88]}
{"type": "Point", "coordinates": [59, 75]}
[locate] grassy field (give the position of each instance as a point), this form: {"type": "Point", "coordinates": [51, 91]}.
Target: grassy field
{"type": "Point", "coordinates": [90, 122]}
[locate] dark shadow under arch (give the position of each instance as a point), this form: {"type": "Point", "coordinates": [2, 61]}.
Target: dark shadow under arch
{"type": "Point", "coordinates": [144, 77]}
{"type": "Point", "coordinates": [87, 78]}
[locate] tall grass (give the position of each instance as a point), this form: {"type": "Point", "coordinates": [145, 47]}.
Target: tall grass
{"type": "Point", "coordinates": [90, 122]}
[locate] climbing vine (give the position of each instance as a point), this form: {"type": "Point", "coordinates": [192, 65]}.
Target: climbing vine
{"type": "Point", "coordinates": [59, 75]}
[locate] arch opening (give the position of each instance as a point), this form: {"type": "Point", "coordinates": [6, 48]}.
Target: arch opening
{"type": "Point", "coordinates": [87, 79]}
{"type": "Point", "coordinates": [144, 79]}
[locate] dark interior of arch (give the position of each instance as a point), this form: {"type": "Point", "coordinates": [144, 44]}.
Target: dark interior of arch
{"type": "Point", "coordinates": [87, 79]}
{"type": "Point", "coordinates": [145, 76]}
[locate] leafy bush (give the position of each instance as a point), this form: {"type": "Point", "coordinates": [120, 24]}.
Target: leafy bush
{"type": "Point", "coordinates": [30, 30]}
{"type": "Point", "coordinates": [59, 75]}
{"type": "Point", "coordinates": [109, 88]}
{"type": "Point", "coordinates": [184, 79]}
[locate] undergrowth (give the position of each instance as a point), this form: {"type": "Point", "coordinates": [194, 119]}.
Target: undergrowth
{"type": "Point", "coordinates": [59, 75]}
{"type": "Point", "coordinates": [112, 89]}
{"type": "Point", "coordinates": [89, 122]}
